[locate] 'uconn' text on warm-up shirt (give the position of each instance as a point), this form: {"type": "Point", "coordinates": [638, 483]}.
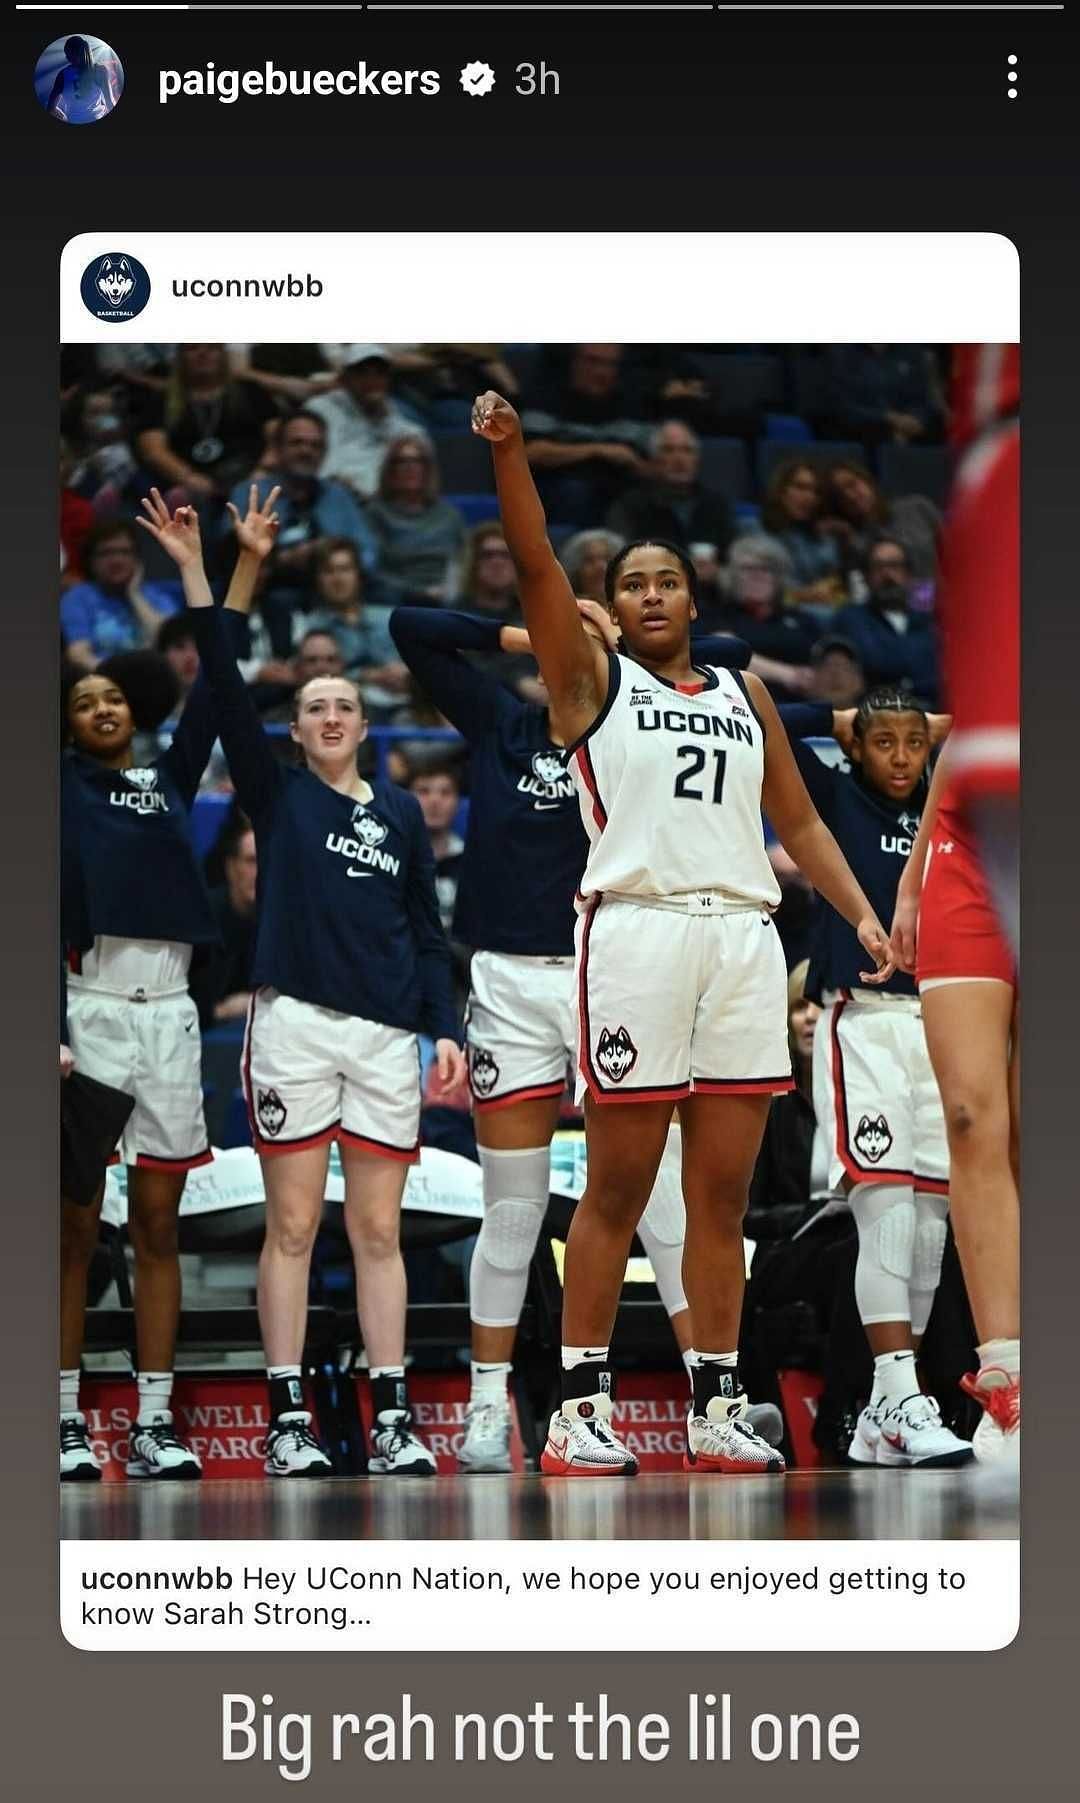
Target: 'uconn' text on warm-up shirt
{"type": "Point", "coordinates": [347, 916]}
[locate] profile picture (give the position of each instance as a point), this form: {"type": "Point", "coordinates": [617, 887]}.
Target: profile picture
{"type": "Point", "coordinates": [79, 80]}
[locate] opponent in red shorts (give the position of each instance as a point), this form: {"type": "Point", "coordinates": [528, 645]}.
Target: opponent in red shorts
{"type": "Point", "coordinates": [966, 975]}
{"type": "Point", "coordinates": [981, 612]}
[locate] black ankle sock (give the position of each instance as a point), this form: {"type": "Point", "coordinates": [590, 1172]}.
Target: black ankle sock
{"type": "Point", "coordinates": [587, 1380]}
{"type": "Point", "coordinates": [389, 1396]}
{"type": "Point", "coordinates": [286, 1396]}
{"type": "Point", "coordinates": [713, 1380]}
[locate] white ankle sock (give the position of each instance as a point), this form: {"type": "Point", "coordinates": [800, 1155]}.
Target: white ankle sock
{"type": "Point", "coordinates": [584, 1355]}
{"type": "Point", "coordinates": [69, 1393]}
{"type": "Point", "coordinates": [155, 1394]}
{"type": "Point", "coordinates": [489, 1382]}
{"type": "Point", "coordinates": [895, 1378]}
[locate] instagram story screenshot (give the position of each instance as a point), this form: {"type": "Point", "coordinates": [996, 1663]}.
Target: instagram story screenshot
{"type": "Point", "coordinates": [521, 591]}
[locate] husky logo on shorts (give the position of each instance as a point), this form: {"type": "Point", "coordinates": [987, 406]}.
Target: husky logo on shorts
{"type": "Point", "coordinates": [873, 1137]}
{"type": "Point", "coordinates": [141, 776]}
{"type": "Point", "coordinates": [484, 1073]}
{"type": "Point", "coordinates": [270, 1112]}
{"type": "Point", "coordinates": [616, 1053]}
{"type": "Point", "coordinates": [548, 766]}
{"type": "Point", "coordinates": [368, 830]}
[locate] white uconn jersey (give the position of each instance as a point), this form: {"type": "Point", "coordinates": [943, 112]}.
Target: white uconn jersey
{"type": "Point", "coordinates": [670, 790]}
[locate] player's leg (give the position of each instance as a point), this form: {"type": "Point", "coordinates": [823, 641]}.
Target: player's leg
{"type": "Point", "coordinates": [373, 1191]}
{"type": "Point", "coordinates": [519, 1037]}
{"type": "Point", "coordinates": [78, 1240]}
{"type": "Point", "coordinates": [721, 1139]}
{"type": "Point", "coordinates": [514, 1144]}
{"type": "Point", "coordinates": [625, 1145]}
{"type": "Point", "coordinates": [968, 1030]}
{"type": "Point", "coordinates": [153, 1212]}
{"type": "Point", "coordinates": [295, 1185]}
{"type": "Point", "coordinates": [380, 1125]}
{"type": "Point", "coordinates": [872, 1097]}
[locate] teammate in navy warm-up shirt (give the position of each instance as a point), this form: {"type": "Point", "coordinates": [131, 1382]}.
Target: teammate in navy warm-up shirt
{"type": "Point", "coordinates": [133, 908]}
{"type": "Point", "coordinates": [875, 1096]}
{"type": "Point", "coordinates": [524, 855]}
{"type": "Point", "coordinates": [350, 963]}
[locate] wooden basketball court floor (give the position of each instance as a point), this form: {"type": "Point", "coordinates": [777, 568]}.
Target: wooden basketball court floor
{"type": "Point", "coordinates": [974, 1503]}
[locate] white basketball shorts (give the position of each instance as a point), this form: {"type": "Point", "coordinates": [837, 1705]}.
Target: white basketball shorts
{"type": "Point", "coordinates": [677, 1001]}
{"type": "Point", "coordinates": [150, 1049]}
{"type": "Point", "coordinates": [311, 1075]}
{"type": "Point", "coordinates": [520, 1028]}
{"type": "Point", "coordinates": [875, 1094]}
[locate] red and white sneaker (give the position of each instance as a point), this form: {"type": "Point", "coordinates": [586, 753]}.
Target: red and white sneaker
{"type": "Point", "coordinates": [913, 1434]}
{"type": "Point", "coordinates": [726, 1442]}
{"type": "Point", "coordinates": [997, 1437]}
{"type": "Point", "coordinates": [580, 1442]}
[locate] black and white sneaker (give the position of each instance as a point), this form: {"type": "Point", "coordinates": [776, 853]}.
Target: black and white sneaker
{"type": "Point", "coordinates": [77, 1462]}
{"type": "Point", "coordinates": [396, 1451]}
{"type": "Point", "coordinates": [292, 1449]}
{"type": "Point", "coordinates": [156, 1450]}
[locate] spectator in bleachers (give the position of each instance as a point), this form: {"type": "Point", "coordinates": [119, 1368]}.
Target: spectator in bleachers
{"type": "Point", "coordinates": [882, 392]}
{"type": "Point", "coordinates": [114, 609]}
{"type": "Point", "coordinates": [206, 429]}
{"type": "Point", "coordinates": [76, 520]}
{"type": "Point", "coordinates": [443, 378]}
{"type": "Point", "coordinates": [360, 628]}
{"type": "Point", "coordinates": [585, 434]}
{"type": "Point", "coordinates": [311, 509]}
{"type": "Point", "coordinates": [221, 984]}
{"type": "Point", "coordinates": [362, 419]}
{"type": "Point", "coordinates": [895, 645]}
{"type": "Point", "coordinates": [437, 787]}
{"type": "Point", "coordinates": [757, 575]}
{"type": "Point", "coordinates": [585, 557]}
{"type": "Point", "coordinates": [792, 514]}
{"type": "Point", "coordinates": [858, 513]}
{"type": "Point", "coordinates": [690, 387]}
{"type": "Point", "coordinates": [838, 676]}
{"type": "Point", "coordinates": [292, 373]}
{"type": "Point", "coordinates": [103, 468]}
{"type": "Point", "coordinates": [175, 642]}
{"type": "Point", "coordinates": [675, 504]}
{"type": "Point", "coordinates": [488, 579]}
{"type": "Point", "coordinates": [420, 536]}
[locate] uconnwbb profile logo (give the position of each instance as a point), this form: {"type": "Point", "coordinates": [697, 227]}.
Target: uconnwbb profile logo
{"type": "Point", "coordinates": [115, 287]}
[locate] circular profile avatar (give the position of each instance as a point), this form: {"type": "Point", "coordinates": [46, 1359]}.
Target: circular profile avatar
{"type": "Point", "coordinates": [79, 79]}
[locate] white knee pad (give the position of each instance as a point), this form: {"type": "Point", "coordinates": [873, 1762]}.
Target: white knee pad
{"type": "Point", "coordinates": [662, 1228]}
{"type": "Point", "coordinates": [666, 1261]}
{"type": "Point", "coordinates": [515, 1202]}
{"type": "Point", "coordinates": [885, 1217]}
{"type": "Point", "coordinates": [931, 1216]}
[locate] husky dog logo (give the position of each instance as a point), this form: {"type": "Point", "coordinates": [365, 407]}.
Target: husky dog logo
{"type": "Point", "coordinates": [616, 1053]}
{"type": "Point", "coordinates": [115, 287]}
{"type": "Point", "coordinates": [484, 1072]}
{"type": "Point", "coordinates": [270, 1111]}
{"type": "Point", "coordinates": [141, 776]}
{"type": "Point", "coordinates": [548, 766]}
{"type": "Point", "coordinates": [115, 280]}
{"type": "Point", "coordinates": [873, 1137]}
{"type": "Point", "coordinates": [368, 830]}
{"type": "Point", "coordinates": [909, 823]}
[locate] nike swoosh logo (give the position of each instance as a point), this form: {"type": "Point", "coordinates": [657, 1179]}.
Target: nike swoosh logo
{"type": "Point", "coordinates": [351, 872]}
{"type": "Point", "coordinates": [544, 807]}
